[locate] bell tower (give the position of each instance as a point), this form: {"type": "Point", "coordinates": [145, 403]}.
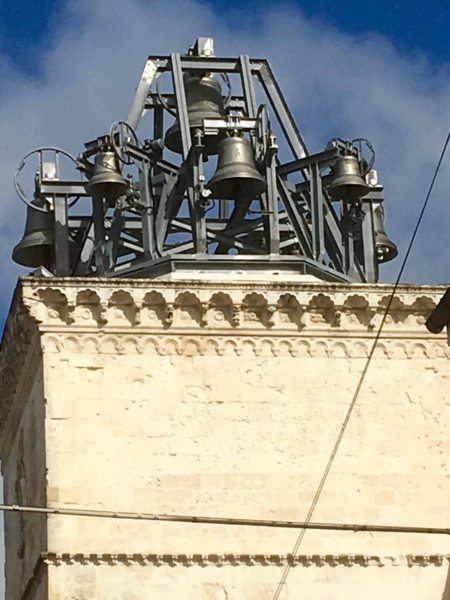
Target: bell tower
{"type": "Point", "coordinates": [178, 364]}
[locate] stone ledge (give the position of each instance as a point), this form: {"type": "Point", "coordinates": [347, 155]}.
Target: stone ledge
{"type": "Point", "coordinates": [222, 306]}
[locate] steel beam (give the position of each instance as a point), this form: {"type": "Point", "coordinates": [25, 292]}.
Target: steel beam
{"type": "Point", "coordinates": [62, 258]}
{"type": "Point", "coordinates": [137, 107]}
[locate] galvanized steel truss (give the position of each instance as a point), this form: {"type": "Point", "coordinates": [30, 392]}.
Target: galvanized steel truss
{"type": "Point", "coordinates": [166, 222]}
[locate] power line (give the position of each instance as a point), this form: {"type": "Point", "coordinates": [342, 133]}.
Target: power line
{"type": "Point", "coordinates": [363, 374]}
{"type": "Point", "coordinates": [135, 516]}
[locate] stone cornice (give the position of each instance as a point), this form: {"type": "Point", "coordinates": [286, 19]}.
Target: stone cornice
{"type": "Point", "coordinates": [220, 560]}
{"type": "Point", "coordinates": [147, 306]}
{"type": "Point", "coordinates": [228, 282]}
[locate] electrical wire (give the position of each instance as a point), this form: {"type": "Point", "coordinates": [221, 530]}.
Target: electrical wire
{"type": "Point", "coordinates": [343, 428]}
{"type": "Point", "coordinates": [174, 518]}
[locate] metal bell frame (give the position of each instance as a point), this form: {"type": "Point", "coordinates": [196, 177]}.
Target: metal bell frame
{"type": "Point", "coordinates": [165, 220]}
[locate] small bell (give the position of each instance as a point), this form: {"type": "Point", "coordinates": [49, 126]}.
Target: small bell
{"type": "Point", "coordinates": [204, 101]}
{"type": "Point", "coordinates": [37, 246]}
{"type": "Point", "coordinates": [347, 182]}
{"type": "Point", "coordinates": [107, 180]}
{"type": "Point", "coordinates": [385, 249]}
{"type": "Point", "coordinates": [236, 176]}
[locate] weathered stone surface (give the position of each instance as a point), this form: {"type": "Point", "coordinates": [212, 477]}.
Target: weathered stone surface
{"type": "Point", "coordinates": [223, 398]}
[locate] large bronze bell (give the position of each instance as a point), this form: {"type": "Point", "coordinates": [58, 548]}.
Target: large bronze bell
{"type": "Point", "coordinates": [204, 101]}
{"type": "Point", "coordinates": [236, 176]}
{"type": "Point", "coordinates": [107, 180]}
{"type": "Point", "coordinates": [385, 249]}
{"type": "Point", "coordinates": [347, 182]}
{"type": "Point", "coordinates": [37, 246]}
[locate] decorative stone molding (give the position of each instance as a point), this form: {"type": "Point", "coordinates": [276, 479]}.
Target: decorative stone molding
{"type": "Point", "coordinates": [86, 305]}
{"type": "Point", "coordinates": [220, 345]}
{"type": "Point", "coordinates": [220, 560]}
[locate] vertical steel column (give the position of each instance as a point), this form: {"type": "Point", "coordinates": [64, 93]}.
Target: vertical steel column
{"type": "Point", "coordinates": [99, 235]}
{"type": "Point", "coordinates": [111, 246]}
{"type": "Point", "coordinates": [271, 201]}
{"type": "Point", "coordinates": [224, 212]}
{"type": "Point", "coordinates": [368, 241]}
{"type": "Point", "coordinates": [270, 197]}
{"type": "Point", "coordinates": [158, 123]}
{"type": "Point", "coordinates": [148, 230]}
{"type": "Point", "coordinates": [197, 210]}
{"type": "Point", "coordinates": [62, 259]}
{"type": "Point", "coordinates": [348, 241]}
{"type": "Point", "coordinates": [318, 237]}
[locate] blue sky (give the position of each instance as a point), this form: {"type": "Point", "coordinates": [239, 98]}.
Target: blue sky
{"type": "Point", "coordinates": [380, 70]}
{"type": "Point", "coordinates": [26, 26]}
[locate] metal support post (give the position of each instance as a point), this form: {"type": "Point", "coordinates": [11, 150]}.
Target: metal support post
{"type": "Point", "coordinates": [271, 197]}
{"type": "Point", "coordinates": [368, 243]}
{"type": "Point", "coordinates": [158, 123]}
{"type": "Point", "coordinates": [99, 235]}
{"type": "Point", "coordinates": [318, 238]}
{"type": "Point", "coordinates": [195, 205]}
{"type": "Point", "coordinates": [183, 120]}
{"type": "Point", "coordinates": [348, 241]}
{"type": "Point", "coordinates": [87, 251]}
{"type": "Point", "coordinates": [62, 259]}
{"type": "Point", "coordinates": [148, 235]}
{"type": "Point", "coordinates": [112, 244]}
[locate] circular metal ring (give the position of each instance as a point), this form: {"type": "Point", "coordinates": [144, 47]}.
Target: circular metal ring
{"type": "Point", "coordinates": [120, 134]}
{"type": "Point", "coordinates": [21, 165]}
{"type": "Point", "coordinates": [371, 161]}
{"type": "Point", "coordinates": [263, 133]}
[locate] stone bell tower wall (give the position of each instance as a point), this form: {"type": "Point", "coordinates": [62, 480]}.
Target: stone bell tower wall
{"type": "Point", "coordinates": [223, 399]}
